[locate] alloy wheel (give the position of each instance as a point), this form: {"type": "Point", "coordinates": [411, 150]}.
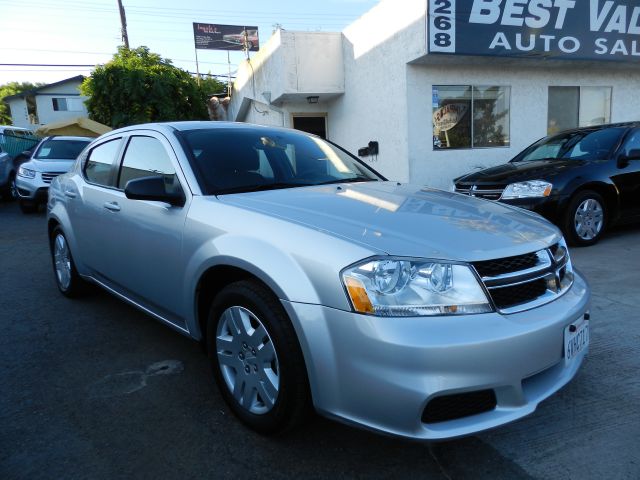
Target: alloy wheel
{"type": "Point", "coordinates": [589, 219]}
{"type": "Point", "coordinates": [248, 360]}
{"type": "Point", "coordinates": [62, 261]}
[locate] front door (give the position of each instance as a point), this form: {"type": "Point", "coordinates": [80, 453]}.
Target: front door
{"type": "Point", "coordinates": [627, 176]}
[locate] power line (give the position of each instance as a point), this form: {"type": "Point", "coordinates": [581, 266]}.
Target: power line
{"type": "Point", "coordinates": [49, 65]}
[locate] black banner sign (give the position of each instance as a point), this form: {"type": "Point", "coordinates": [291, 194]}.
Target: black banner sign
{"type": "Point", "coordinates": [225, 37]}
{"type": "Point", "coordinates": [567, 29]}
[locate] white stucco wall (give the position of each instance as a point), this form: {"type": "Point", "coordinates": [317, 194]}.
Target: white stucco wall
{"type": "Point", "coordinates": [376, 49]}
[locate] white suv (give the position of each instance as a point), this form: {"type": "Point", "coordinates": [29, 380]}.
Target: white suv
{"type": "Point", "coordinates": [52, 157]}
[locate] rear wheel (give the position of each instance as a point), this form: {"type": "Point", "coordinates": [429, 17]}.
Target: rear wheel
{"type": "Point", "coordinates": [67, 278]}
{"type": "Point", "coordinates": [256, 358]}
{"type": "Point", "coordinates": [585, 220]}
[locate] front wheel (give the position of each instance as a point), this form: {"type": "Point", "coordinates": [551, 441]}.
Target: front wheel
{"type": "Point", "coordinates": [13, 189]}
{"type": "Point", "coordinates": [256, 358]}
{"type": "Point", "coordinates": [585, 220]}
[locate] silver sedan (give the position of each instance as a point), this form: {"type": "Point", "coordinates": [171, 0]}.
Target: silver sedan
{"type": "Point", "coordinates": [315, 283]}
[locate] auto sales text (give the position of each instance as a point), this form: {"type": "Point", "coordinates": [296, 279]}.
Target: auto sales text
{"type": "Point", "coordinates": [605, 16]}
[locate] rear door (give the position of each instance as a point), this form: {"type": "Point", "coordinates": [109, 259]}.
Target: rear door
{"type": "Point", "coordinates": [627, 176]}
{"type": "Point", "coordinates": [88, 213]}
{"type": "Point", "coordinates": [144, 238]}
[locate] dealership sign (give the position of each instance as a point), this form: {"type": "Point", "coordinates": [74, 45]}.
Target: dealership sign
{"type": "Point", "coordinates": [225, 37]}
{"type": "Point", "coordinates": [570, 29]}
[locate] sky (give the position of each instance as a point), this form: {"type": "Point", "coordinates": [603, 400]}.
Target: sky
{"type": "Point", "coordinates": [83, 32]}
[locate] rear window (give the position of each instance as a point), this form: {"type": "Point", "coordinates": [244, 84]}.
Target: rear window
{"type": "Point", "coordinates": [60, 149]}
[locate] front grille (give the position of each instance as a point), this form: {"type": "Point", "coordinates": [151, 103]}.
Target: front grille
{"type": "Point", "coordinates": [520, 282]}
{"type": "Point", "coordinates": [47, 177]}
{"type": "Point", "coordinates": [488, 192]}
{"type": "Point", "coordinates": [501, 266]}
{"type": "Point", "coordinates": [508, 297]}
{"type": "Point", "coordinates": [460, 405]}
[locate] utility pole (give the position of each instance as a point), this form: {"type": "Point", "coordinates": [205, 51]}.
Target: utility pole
{"type": "Point", "coordinates": [123, 23]}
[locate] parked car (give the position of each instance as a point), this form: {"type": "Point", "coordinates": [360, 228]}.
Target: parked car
{"type": "Point", "coordinates": [583, 180]}
{"type": "Point", "coordinates": [314, 282]}
{"type": "Point", "coordinates": [13, 140]}
{"type": "Point", "coordinates": [52, 157]}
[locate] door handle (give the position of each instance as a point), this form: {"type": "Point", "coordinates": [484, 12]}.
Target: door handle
{"type": "Point", "coordinates": [70, 194]}
{"type": "Point", "coordinates": [113, 206]}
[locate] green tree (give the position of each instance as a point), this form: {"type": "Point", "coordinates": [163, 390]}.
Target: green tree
{"type": "Point", "coordinates": [138, 86]}
{"type": "Point", "coordinates": [13, 88]}
{"type": "Point", "coordinates": [212, 86]}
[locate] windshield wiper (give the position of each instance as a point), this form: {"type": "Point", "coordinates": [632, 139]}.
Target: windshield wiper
{"type": "Point", "coordinates": [260, 188]}
{"type": "Point", "coordinates": [348, 180]}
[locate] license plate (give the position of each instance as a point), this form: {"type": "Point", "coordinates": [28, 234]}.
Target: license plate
{"type": "Point", "coordinates": [576, 340]}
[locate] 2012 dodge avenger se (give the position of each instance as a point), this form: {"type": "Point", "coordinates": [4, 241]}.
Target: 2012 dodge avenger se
{"type": "Point", "coordinates": [315, 283]}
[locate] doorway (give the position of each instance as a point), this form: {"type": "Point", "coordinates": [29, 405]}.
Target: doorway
{"type": "Point", "coordinates": [316, 125]}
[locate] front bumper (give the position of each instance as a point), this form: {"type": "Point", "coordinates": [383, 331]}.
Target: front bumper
{"type": "Point", "coordinates": [551, 208]}
{"type": "Point", "coordinates": [381, 373]}
{"type": "Point", "coordinates": [33, 189]}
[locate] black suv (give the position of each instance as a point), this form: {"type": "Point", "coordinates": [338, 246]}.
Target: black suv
{"type": "Point", "coordinates": [582, 180]}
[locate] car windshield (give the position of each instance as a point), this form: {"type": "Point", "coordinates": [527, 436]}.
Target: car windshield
{"type": "Point", "coordinates": [247, 159]}
{"type": "Point", "coordinates": [576, 145]}
{"type": "Point", "coordinates": [60, 149]}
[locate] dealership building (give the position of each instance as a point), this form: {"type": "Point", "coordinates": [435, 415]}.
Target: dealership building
{"type": "Point", "coordinates": [428, 90]}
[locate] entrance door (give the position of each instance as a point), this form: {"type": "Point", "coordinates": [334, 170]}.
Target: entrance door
{"type": "Point", "coordinates": [314, 125]}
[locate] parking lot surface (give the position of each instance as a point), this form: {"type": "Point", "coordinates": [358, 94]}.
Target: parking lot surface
{"type": "Point", "coordinates": [93, 388]}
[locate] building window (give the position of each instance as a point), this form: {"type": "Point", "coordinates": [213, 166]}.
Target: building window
{"type": "Point", "coordinates": [67, 104]}
{"type": "Point", "coordinates": [572, 107]}
{"type": "Point", "coordinates": [60, 104]}
{"type": "Point", "coordinates": [466, 116]}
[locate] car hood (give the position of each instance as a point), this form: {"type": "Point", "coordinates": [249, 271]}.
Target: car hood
{"type": "Point", "coordinates": [520, 171]}
{"type": "Point", "coordinates": [407, 220]}
{"type": "Point", "coordinates": [49, 165]}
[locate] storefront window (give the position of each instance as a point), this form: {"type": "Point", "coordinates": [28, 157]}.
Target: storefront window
{"type": "Point", "coordinates": [572, 107]}
{"type": "Point", "coordinates": [470, 116]}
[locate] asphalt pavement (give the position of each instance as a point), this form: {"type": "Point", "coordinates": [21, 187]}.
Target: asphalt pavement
{"type": "Point", "coordinates": [94, 389]}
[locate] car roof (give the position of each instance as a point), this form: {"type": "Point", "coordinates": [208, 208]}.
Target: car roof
{"type": "Point", "coordinates": [11, 127]}
{"type": "Point", "coordinates": [196, 125]}
{"type": "Point", "coordinates": [69, 138]}
{"type": "Point", "coordinates": [594, 128]}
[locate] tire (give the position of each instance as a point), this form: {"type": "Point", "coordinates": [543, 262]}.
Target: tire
{"type": "Point", "coordinates": [12, 193]}
{"type": "Point", "coordinates": [586, 219]}
{"type": "Point", "coordinates": [254, 351]}
{"type": "Point", "coordinates": [28, 206]}
{"type": "Point", "coordinates": [67, 278]}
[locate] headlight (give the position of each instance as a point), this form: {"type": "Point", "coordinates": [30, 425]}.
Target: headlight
{"type": "Point", "coordinates": [530, 189]}
{"type": "Point", "coordinates": [26, 173]}
{"type": "Point", "coordinates": [396, 287]}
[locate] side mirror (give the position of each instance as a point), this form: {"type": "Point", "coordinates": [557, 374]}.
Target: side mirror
{"type": "Point", "coordinates": [152, 188]}
{"type": "Point", "coordinates": [26, 153]}
{"type": "Point", "coordinates": [632, 155]}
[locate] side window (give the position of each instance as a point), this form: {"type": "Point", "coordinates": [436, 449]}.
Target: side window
{"type": "Point", "coordinates": [631, 143]}
{"type": "Point", "coordinates": [98, 166]}
{"type": "Point", "coordinates": [146, 157]}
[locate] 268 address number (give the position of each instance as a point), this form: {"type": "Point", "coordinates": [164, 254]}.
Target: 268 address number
{"type": "Point", "coordinates": [442, 26]}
